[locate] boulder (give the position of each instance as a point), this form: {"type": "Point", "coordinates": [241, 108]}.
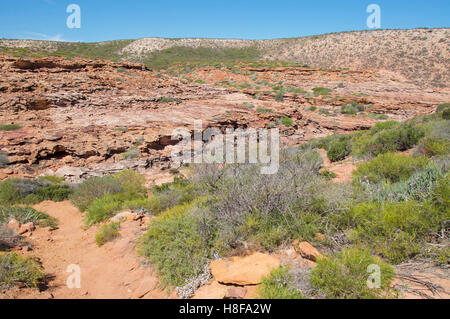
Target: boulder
{"type": "Point", "coordinates": [213, 290]}
{"type": "Point", "coordinates": [236, 293]}
{"type": "Point", "coordinates": [147, 284]}
{"type": "Point", "coordinates": [14, 225]}
{"type": "Point", "coordinates": [242, 271]}
{"type": "Point", "coordinates": [26, 228]}
{"type": "Point", "coordinates": [306, 250]}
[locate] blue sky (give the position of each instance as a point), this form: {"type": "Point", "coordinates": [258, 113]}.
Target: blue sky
{"type": "Point", "coordinates": [249, 19]}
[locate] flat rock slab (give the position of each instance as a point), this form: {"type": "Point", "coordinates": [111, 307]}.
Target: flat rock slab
{"type": "Point", "coordinates": [243, 271]}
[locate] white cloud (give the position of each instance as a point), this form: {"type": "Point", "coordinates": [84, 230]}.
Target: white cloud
{"type": "Point", "coordinates": [42, 36]}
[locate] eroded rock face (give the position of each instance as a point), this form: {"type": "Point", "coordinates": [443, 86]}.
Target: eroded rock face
{"type": "Point", "coordinates": [243, 271]}
{"type": "Point", "coordinates": [84, 113]}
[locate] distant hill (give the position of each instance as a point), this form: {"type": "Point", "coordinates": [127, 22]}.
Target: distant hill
{"type": "Point", "coordinates": [420, 55]}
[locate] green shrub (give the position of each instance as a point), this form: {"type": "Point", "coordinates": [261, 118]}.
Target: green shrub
{"type": "Point", "coordinates": [107, 233]}
{"type": "Point", "coordinates": [93, 188]}
{"type": "Point", "coordinates": [169, 195]}
{"type": "Point", "coordinates": [287, 121]}
{"type": "Point", "coordinates": [110, 194]}
{"type": "Point", "coordinates": [386, 137]}
{"type": "Point", "coordinates": [131, 154]}
{"type": "Point", "coordinates": [328, 175]}
{"type": "Point", "coordinates": [103, 208]}
{"type": "Point", "coordinates": [131, 183]}
{"type": "Point", "coordinates": [346, 276]}
{"type": "Point", "coordinates": [394, 230]}
{"type": "Point", "coordinates": [174, 244]}
{"type": "Point", "coordinates": [441, 195]}
{"type": "Point", "coordinates": [15, 270]}
{"type": "Point", "coordinates": [321, 91]}
{"type": "Point", "coordinates": [434, 146]}
{"type": "Point", "coordinates": [32, 191]}
{"type": "Point", "coordinates": [446, 114]}
{"type": "Point", "coordinates": [418, 187]}
{"type": "Point", "coordinates": [338, 150]}
{"type": "Point", "coordinates": [277, 286]}
{"type": "Point", "coordinates": [270, 210]}
{"type": "Point", "coordinates": [442, 107]}
{"type": "Point", "coordinates": [389, 167]}
{"type": "Point", "coordinates": [444, 110]}
{"type": "Point", "coordinates": [165, 99]}
{"type": "Point", "coordinates": [349, 109]}
{"type": "Point", "coordinates": [279, 96]}
{"type": "Point", "coordinates": [264, 110]}
{"type": "Point", "coordinates": [25, 215]}
{"type": "Point", "coordinates": [10, 127]}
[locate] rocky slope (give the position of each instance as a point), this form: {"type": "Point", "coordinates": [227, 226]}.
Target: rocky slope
{"type": "Point", "coordinates": [100, 116]}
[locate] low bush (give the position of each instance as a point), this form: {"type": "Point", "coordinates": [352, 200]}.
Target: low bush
{"type": "Point", "coordinates": [277, 286]}
{"type": "Point", "coordinates": [389, 167]}
{"type": "Point", "coordinates": [287, 121]}
{"type": "Point", "coordinates": [418, 187]}
{"type": "Point", "coordinates": [386, 137]}
{"type": "Point", "coordinates": [10, 127]}
{"type": "Point", "coordinates": [15, 269]}
{"type": "Point", "coordinates": [328, 175]}
{"type": "Point", "coordinates": [338, 146]}
{"type": "Point", "coordinates": [32, 191]}
{"type": "Point", "coordinates": [321, 91]}
{"type": "Point", "coordinates": [107, 233]}
{"type": "Point", "coordinates": [394, 230]}
{"type": "Point", "coordinates": [444, 110]}
{"type": "Point", "coordinates": [131, 154]}
{"type": "Point", "coordinates": [129, 183]}
{"type": "Point", "coordinates": [264, 110]}
{"type": "Point", "coordinates": [346, 276]}
{"type": "Point", "coordinates": [338, 150]}
{"type": "Point", "coordinates": [175, 245]}
{"type": "Point", "coordinates": [434, 146]}
{"type": "Point", "coordinates": [25, 215]}
{"type": "Point", "coordinates": [169, 195]}
{"type": "Point", "coordinates": [352, 108]}
{"type": "Point", "coordinates": [93, 188]}
{"type": "Point", "coordinates": [103, 208]}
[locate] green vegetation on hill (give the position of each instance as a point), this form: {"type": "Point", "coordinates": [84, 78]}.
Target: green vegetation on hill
{"type": "Point", "coordinates": [201, 56]}
{"type": "Point", "coordinates": [105, 50]}
{"type": "Point", "coordinates": [429, 133]}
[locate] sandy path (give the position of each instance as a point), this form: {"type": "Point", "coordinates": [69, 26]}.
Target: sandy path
{"type": "Point", "coordinates": [112, 271]}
